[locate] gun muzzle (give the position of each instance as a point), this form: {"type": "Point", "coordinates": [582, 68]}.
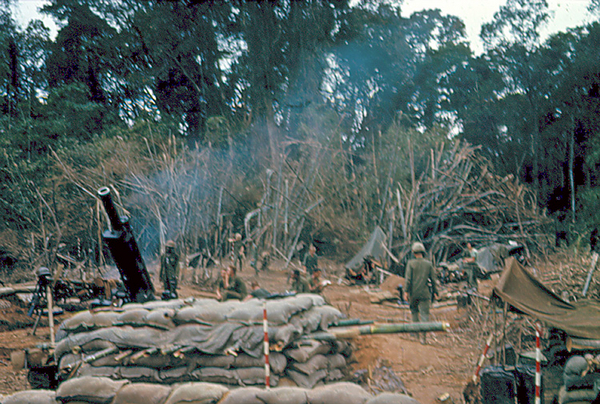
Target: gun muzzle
{"type": "Point", "coordinates": [109, 207]}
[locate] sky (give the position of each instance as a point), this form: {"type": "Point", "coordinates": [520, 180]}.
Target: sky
{"type": "Point", "coordinates": [474, 13]}
{"type": "Point", "coordinates": [567, 13]}
{"type": "Point", "coordinates": [27, 10]}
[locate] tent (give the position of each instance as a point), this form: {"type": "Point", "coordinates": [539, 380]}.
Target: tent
{"type": "Point", "coordinates": [523, 291]}
{"type": "Point", "coordinates": [374, 248]}
{"type": "Point", "coordinates": [491, 257]}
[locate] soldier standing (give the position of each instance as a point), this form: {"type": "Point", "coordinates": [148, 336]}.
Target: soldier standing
{"type": "Point", "coordinates": [420, 286]}
{"type": "Point", "coordinates": [311, 261]}
{"type": "Point", "coordinates": [169, 271]}
{"type": "Point", "coordinates": [471, 267]}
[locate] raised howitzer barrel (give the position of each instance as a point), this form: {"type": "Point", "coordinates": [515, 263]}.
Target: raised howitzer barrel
{"type": "Point", "coordinates": [393, 328]}
{"type": "Point", "coordinates": [125, 252]}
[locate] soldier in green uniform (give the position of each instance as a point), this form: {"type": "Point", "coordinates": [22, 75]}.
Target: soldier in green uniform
{"type": "Point", "coordinates": [299, 284]}
{"type": "Point", "coordinates": [257, 292]}
{"type": "Point", "coordinates": [169, 271]}
{"type": "Point", "coordinates": [265, 257]}
{"type": "Point", "coordinates": [234, 286]}
{"type": "Point", "coordinates": [311, 261]}
{"type": "Point", "coordinates": [420, 288]}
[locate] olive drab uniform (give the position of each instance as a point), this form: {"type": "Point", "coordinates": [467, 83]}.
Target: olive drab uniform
{"type": "Point", "coordinates": [169, 271]}
{"type": "Point", "coordinates": [420, 286]}
{"type": "Point", "coordinates": [237, 251]}
{"type": "Point", "coordinates": [471, 267]}
{"type": "Point", "coordinates": [311, 262]}
{"type": "Point", "coordinates": [236, 289]}
{"type": "Point", "coordinates": [265, 257]}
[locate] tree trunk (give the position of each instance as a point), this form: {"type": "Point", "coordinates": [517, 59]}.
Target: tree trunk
{"type": "Point", "coordinates": [272, 132]}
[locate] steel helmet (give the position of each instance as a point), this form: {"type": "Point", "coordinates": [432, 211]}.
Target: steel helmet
{"type": "Point", "coordinates": [418, 248]}
{"type": "Point", "coordinates": [171, 243]}
{"type": "Point", "coordinates": [43, 271]}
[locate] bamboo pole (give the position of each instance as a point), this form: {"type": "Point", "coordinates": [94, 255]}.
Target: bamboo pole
{"type": "Point", "coordinates": [582, 343]}
{"type": "Point", "coordinates": [50, 314]}
{"type": "Point", "coordinates": [504, 318]}
{"type": "Point", "coordinates": [393, 328]}
{"type": "Point", "coordinates": [276, 203]}
{"type": "Point", "coordinates": [401, 210]}
{"type": "Point", "coordinates": [285, 217]}
{"type": "Point", "coordinates": [218, 220]}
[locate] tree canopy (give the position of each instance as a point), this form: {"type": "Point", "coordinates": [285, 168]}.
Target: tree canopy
{"type": "Point", "coordinates": [261, 97]}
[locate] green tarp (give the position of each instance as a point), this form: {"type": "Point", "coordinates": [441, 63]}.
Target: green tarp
{"type": "Point", "coordinates": [523, 291]}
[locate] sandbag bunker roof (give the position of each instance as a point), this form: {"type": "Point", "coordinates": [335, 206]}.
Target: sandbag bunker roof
{"type": "Point", "coordinates": [203, 340]}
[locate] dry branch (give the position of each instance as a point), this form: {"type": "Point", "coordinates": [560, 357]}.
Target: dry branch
{"type": "Point", "coordinates": [458, 199]}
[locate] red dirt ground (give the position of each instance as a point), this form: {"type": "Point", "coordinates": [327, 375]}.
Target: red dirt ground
{"type": "Point", "coordinates": [442, 366]}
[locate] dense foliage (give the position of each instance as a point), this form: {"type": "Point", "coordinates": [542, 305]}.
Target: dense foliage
{"type": "Point", "coordinates": [316, 107]}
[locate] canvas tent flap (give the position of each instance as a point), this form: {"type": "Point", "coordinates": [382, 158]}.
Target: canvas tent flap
{"type": "Point", "coordinates": [374, 248]}
{"type": "Point", "coordinates": [490, 257]}
{"type": "Point", "coordinates": [521, 290]}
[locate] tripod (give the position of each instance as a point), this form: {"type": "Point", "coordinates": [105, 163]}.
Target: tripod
{"type": "Point", "coordinates": [42, 297]}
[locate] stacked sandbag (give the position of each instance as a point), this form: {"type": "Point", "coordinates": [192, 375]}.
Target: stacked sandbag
{"type": "Point", "coordinates": [203, 340]}
{"type": "Point", "coordinates": [30, 397]}
{"type": "Point", "coordinates": [313, 362]}
{"type": "Point", "coordinates": [100, 390]}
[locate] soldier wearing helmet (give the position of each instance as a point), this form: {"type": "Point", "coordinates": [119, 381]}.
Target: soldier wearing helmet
{"type": "Point", "coordinates": [169, 271]}
{"type": "Point", "coordinates": [420, 285]}
{"type": "Point", "coordinates": [44, 272]}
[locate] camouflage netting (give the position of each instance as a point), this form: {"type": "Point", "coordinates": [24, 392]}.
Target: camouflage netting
{"type": "Point", "coordinates": [101, 390]}
{"type": "Point", "coordinates": [205, 341]}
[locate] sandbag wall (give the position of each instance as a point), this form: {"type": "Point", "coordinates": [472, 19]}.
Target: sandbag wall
{"type": "Point", "coordinates": [101, 390]}
{"type": "Point", "coordinates": [204, 340]}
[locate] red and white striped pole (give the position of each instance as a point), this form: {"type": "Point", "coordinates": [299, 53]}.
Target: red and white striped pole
{"type": "Point", "coordinates": [482, 358]}
{"type": "Point", "coordinates": [266, 346]}
{"type": "Point", "coordinates": [538, 366]}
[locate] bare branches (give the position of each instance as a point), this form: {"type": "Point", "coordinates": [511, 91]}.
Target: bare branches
{"type": "Point", "coordinates": [459, 199]}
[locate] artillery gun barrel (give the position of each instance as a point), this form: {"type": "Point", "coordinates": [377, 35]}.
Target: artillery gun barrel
{"type": "Point", "coordinates": [403, 327]}
{"type": "Point", "coordinates": [394, 328]}
{"type": "Point", "coordinates": [109, 207]}
{"type": "Point", "coordinates": [125, 252]}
